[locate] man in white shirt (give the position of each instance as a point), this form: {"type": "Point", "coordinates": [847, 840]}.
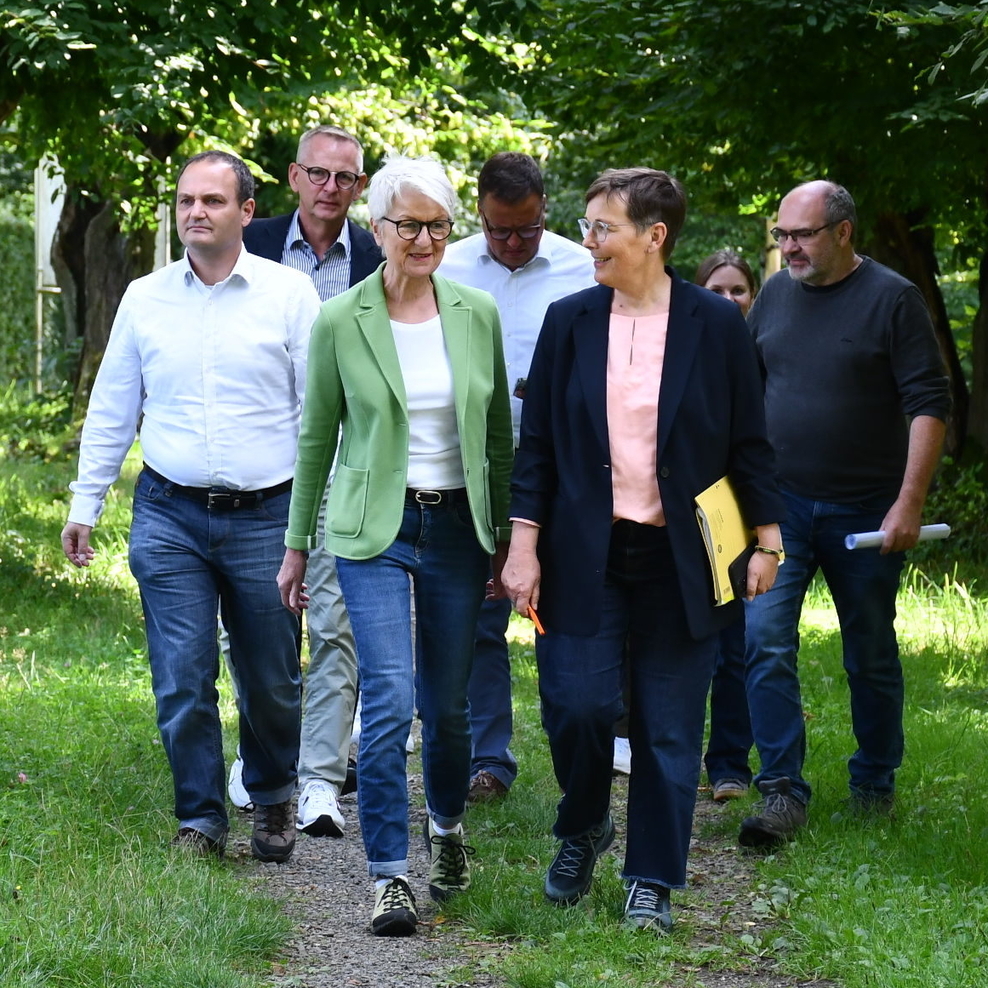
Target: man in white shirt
{"type": "Point", "coordinates": [525, 267]}
{"type": "Point", "coordinates": [211, 351]}
{"type": "Point", "coordinates": [336, 253]}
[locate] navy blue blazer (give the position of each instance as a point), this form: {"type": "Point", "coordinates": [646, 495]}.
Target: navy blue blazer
{"type": "Point", "coordinates": [266, 237]}
{"type": "Point", "coordinates": [711, 423]}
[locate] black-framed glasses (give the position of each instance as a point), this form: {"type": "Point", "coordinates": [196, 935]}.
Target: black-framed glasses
{"type": "Point", "coordinates": [410, 229]}
{"type": "Point", "coordinates": [598, 228]}
{"type": "Point", "coordinates": [798, 236]}
{"type": "Point", "coordinates": [320, 176]}
{"type": "Point", "coordinates": [505, 232]}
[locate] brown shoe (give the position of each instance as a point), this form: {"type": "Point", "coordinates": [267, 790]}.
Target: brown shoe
{"type": "Point", "coordinates": [274, 832]}
{"type": "Point", "coordinates": [195, 843]}
{"type": "Point", "coordinates": [485, 788]}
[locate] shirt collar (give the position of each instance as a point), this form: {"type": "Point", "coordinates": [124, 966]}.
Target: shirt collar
{"type": "Point", "coordinates": [242, 270]}
{"type": "Point", "coordinates": [295, 237]}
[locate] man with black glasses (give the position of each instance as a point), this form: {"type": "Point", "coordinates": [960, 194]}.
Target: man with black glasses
{"type": "Point", "coordinates": [855, 403]}
{"type": "Point", "coordinates": [525, 267]}
{"type": "Point", "coordinates": [319, 240]}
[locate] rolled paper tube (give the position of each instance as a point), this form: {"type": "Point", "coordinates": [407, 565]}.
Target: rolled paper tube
{"type": "Point", "coordinates": [869, 540]}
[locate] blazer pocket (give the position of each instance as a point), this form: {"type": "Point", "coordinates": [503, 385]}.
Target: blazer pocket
{"type": "Point", "coordinates": [347, 501]}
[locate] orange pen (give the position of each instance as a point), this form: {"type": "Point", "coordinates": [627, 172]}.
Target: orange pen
{"type": "Point", "coordinates": [533, 614]}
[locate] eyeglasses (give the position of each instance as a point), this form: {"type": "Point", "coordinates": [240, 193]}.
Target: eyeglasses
{"type": "Point", "coordinates": [320, 176]}
{"type": "Point", "coordinates": [598, 228]}
{"type": "Point", "coordinates": [505, 232]}
{"type": "Point", "coordinates": [798, 236]}
{"type": "Point", "coordinates": [410, 229]}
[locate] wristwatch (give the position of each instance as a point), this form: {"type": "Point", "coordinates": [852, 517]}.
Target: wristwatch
{"type": "Point", "coordinates": [781, 553]}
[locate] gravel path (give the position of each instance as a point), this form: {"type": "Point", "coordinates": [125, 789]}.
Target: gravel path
{"type": "Point", "coordinates": [326, 890]}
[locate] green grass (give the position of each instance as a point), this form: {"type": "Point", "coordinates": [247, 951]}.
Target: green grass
{"type": "Point", "coordinates": [889, 904]}
{"type": "Point", "coordinates": [90, 896]}
{"type": "Point", "coordinates": [89, 893]}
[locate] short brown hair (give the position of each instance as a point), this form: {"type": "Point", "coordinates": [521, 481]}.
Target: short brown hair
{"type": "Point", "coordinates": [650, 196]}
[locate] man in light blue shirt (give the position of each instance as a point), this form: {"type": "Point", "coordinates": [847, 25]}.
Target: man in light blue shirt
{"type": "Point", "coordinates": [525, 267]}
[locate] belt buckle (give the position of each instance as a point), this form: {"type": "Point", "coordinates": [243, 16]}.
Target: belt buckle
{"type": "Point", "coordinates": [429, 497]}
{"type": "Point", "coordinates": [226, 500]}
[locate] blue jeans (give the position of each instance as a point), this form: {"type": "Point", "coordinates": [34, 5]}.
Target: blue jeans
{"type": "Point", "coordinates": [864, 585]}
{"type": "Point", "coordinates": [437, 550]}
{"type": "Point", "coordinates": [490, 695]}
{"type": "Point", "coordinates": [730, 724]}
{"type": "Point", "coordinates": [580, 680]}
{"type": "Point", "coordinates": [186, 559]}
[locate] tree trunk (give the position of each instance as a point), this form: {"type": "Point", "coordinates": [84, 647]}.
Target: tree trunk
{"type": "Point", "coordinates": [93, 277]}
{"type": "Point", "coordinates": [904, 243]}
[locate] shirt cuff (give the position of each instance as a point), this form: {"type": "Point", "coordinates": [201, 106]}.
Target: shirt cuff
{"type": "Point", "coordinates": [85, 510]}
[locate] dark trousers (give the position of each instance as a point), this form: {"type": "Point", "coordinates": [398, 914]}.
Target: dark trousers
{"type": "Point", "coordinates": [580, 682]}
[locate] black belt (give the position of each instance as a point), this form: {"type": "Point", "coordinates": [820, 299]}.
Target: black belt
{"type": "Point", "coordinates": [436, 498]}
{"type": "Point", "coordinates": [221, 498]}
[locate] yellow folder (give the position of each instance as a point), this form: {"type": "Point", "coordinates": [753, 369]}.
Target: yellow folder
{"type": "Point", "coordinates": [728, 541]}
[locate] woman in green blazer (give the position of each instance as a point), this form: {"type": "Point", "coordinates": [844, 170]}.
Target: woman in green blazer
{"type": "Point", "coordinates": [406, 377]}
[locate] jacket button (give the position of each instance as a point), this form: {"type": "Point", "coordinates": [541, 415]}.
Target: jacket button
{"type": "Point", "coordinates": [664, 472]}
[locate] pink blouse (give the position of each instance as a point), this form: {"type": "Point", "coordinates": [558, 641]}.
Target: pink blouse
{"type": "Point", "coordinates": [635, 350]}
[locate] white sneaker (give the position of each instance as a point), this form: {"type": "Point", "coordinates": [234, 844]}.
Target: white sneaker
{"type": "Point", "coordinates": [319, 813]}
{"type": "Point", "coordinates": [622, 756]}
{"type": "Point", "coordinates": [235, 786]}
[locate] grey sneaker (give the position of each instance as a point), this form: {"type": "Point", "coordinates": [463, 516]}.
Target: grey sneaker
{"type": "Point", "coordinates": [394, 910]}
{"type": "Point", "coordinates": [196, 844]}
{"type": "Point", "coordinates": [571, 873]}
{"type": "Point", "coordinates": [727, 789]}
{"type": "Point", "coordinates": [274, 832]}
{"type": "Point", "coordinates": [780, 815]}
{"type": "Point", "coordinates": [449, 871]}
{"type": "Point", "coordinates": [647, 907]}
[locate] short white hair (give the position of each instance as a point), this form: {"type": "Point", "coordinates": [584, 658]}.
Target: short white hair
{"type": "Point", "coordinates": [400, 174]}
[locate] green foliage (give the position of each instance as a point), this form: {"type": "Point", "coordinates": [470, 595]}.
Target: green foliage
{"type": "Point", "coordinates": [38, 427]}
{"type": "Point", "coordinates": [16, 297]}
{"type": "Point", "coordinates": [696, 88]}
{"type": "Point", "coordinates": [960, 498]}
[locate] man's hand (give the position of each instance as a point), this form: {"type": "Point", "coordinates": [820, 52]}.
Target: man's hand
{"type": "Point", "coordinates": [290, 578]}
{"type": "Point", "coordinates": [901, 526]}
{"type": "Point", "coordinates": [75, 544]}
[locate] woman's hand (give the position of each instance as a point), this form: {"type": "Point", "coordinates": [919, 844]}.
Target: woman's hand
{"type": "Point", "coordinates": [290, 578]}
{"type": "Point", "coordinates": [522, 573]}
{"type": "Point", "coordinates": [763, 567]}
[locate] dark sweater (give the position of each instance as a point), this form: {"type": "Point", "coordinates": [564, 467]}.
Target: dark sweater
{"type": "Point", "coordinates": [845, 365]}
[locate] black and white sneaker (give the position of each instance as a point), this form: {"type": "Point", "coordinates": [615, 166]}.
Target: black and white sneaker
{"type": "Point", "coordinates": [647, 907]}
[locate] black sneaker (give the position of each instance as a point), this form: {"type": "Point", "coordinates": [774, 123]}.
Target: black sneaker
{"type": "Point", "coordinates": [449, 870]}
{"type": "Point", "coordinates": [780, 815]}
{"type": "Point", "coordinates": [394, 910]}
{"type": "Point", "coordinates": [274, 832]}
{"type": "Point", "coordinates": [647, 907]}
{"type": "Point", "coordinates": [571, 873]}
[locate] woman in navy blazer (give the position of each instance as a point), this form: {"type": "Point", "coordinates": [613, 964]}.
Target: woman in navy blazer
{"type": "Point", "coordinates": [643, 391]}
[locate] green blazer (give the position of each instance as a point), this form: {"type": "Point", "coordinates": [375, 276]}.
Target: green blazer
{"type": "Point", "coordinates": [354, 380]}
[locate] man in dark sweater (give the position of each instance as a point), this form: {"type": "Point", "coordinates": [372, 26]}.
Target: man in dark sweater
{"type": "Point", "coordinates": [856, 399]}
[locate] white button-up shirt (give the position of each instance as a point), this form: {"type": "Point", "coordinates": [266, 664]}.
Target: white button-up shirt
{"type": "Point", "coordinates": [218, 372]}
{"type": "Point", "coordinates": [560, 268]}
